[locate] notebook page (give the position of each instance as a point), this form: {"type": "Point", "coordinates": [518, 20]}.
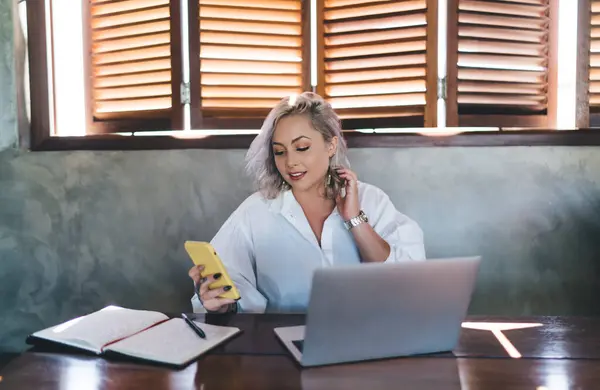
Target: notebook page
{"type": "Point", "coordinates": [97, 329]}
{"type": "Point", "coordinates": [173, 342]}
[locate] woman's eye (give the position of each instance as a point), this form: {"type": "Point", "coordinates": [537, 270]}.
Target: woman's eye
{"type": "Point", "coordinates": [304, 149]}
{"type": "Point", "coordinates": [278, 153]}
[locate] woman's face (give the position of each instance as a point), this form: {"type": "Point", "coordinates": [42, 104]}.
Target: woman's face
{"type": "Point", "coordinates": [301, 153]}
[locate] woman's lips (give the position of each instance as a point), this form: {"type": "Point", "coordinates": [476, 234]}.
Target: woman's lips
{"type": "Point", "coordinates": [297, 175]}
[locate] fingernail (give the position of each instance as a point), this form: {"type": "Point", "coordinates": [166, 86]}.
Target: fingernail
{"type": "Point", "coordinates": [227, 288]}
{"type": "Point", "coordinates": [217, 275]}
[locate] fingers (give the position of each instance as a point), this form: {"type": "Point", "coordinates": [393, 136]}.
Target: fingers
{"type": "Point", "coordinates": [349, 176]}
{"type": "Point", "coordinates": [211, 301]}
{"type": "Point", "coordinates": [208, 297]}
{"type": "Point", "coordinates": [214, 293]}
{"type": "Point", "coordinates": [195, 273]}
{"type": "Point", "coordinates": [206, 281]}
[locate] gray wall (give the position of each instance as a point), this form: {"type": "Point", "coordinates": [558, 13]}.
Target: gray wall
{"type": "Point", "coordinates": [81, 230]}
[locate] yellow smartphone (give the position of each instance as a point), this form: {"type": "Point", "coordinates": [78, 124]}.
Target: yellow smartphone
{"type": "Point", "coordinates": [202, 253]}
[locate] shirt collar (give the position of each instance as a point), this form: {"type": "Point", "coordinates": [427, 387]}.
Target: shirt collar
{"type": "Point", "coordinates": [284, 202]}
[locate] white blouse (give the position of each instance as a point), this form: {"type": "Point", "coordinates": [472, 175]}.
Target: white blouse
{"type": "Point", "coordinates": [270, 251]}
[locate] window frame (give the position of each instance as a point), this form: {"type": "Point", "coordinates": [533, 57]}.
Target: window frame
{"type": "Point", "coordinates": [41, 138]}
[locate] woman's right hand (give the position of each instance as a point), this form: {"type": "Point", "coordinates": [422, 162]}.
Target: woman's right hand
{"type": "Point", "coordinates": [210, 297]}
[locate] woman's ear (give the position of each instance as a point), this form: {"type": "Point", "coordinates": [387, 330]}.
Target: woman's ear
{"type": "Point", "coordinates": [332, 148]}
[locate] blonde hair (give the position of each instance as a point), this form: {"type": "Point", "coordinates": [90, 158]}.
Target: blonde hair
{"type": "Point", "coordinates": [260, 160]}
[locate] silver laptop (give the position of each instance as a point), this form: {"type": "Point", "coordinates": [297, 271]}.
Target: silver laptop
{"type": "Point", "coordinates": [376, 311]}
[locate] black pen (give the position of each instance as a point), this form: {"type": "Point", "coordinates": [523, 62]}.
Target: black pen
{"type": "Point", "coordinates": [195, 327]}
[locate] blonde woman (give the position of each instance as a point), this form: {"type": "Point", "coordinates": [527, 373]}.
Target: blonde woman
{"type": "Point", "coordinates": [310, 211]}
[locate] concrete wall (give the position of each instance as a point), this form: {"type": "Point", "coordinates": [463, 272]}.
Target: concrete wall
{"type": "Point", "coordinates": [80, 230]}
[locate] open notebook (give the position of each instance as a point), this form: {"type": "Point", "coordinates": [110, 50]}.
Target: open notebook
{"type": "Point", "coordinates": [139, 334]}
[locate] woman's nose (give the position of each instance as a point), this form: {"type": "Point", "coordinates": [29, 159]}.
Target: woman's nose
{"type": "Point", "coordinates": [291, 162]}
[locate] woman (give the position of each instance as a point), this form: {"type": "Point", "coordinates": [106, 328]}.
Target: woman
{"type": "Point", "coordinates": [310, 211]}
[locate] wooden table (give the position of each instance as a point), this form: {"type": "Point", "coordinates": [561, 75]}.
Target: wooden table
{"type": "Point", "coordinates": [562, 353]}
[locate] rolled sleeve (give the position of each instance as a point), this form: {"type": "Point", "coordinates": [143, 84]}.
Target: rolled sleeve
{"type": "Point", "coordinates": [403, 234]}
{"type": "Point", "coordinates": [406, 242]}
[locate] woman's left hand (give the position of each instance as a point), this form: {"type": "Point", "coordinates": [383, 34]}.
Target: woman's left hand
{"type": "Point", "coordinates": [348, 206]}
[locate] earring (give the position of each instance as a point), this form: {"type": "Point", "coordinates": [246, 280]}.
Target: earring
{"type": "Point", "coordinates": [328, 181]}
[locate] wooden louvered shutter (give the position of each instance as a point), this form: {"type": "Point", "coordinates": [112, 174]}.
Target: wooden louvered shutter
{"type": "Point", "coordinates": [500, 62]}
{"type": "Point", "coordinates": [594, 61]}
{"type": "Point", "coordinates": [376, 59]}
{"type": "Point", "coordinates": [247, 55]}
{"type": "Point", "coordinates": [132, 64]}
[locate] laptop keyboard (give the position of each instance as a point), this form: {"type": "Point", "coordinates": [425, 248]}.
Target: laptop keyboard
{"type": "Point", "coordinates": [299, 344]}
